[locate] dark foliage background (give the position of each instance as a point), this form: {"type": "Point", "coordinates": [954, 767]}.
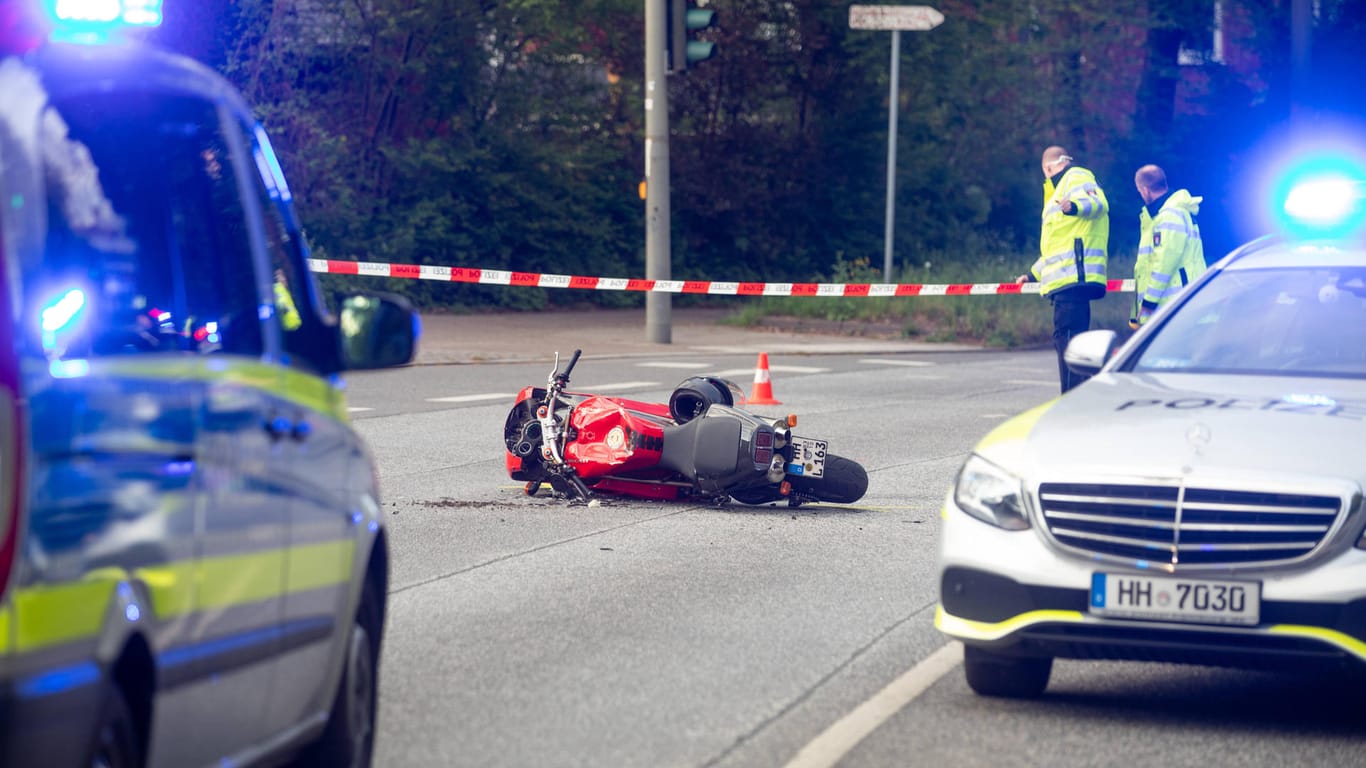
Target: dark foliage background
{"type": "Point", "coordinates": [508, 134]}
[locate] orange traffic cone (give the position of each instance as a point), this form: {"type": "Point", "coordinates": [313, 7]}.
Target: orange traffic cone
{"type": "Point", "coordinates": [762, 394]}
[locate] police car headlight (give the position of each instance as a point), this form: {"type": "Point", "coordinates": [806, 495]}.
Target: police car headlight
{"type": "Point", "coordinates": [990, 494]}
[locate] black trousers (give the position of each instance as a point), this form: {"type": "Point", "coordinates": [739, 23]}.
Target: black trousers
{"type": "Point", "coordinates": [1071, 316]}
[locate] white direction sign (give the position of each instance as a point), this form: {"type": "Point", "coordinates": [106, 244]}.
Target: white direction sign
{"type": "Point", "coordinates": [916, 18]}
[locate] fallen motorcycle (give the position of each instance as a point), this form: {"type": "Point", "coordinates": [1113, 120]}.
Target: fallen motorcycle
{"type": "Point", "coordinates": [698, 446]}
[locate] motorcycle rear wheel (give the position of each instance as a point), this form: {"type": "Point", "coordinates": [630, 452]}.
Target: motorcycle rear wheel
{"type": "Point", "coordinates": [844, 482]}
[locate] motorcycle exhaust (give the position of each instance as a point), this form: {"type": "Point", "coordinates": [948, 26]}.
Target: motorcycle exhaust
{"type": "Point", "coordinates": [777, 470]}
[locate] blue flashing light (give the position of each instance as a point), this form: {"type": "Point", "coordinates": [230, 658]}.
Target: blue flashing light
{"type": "Point", "coordinates": [1323, 196]}
{"type": "Point", "coordinates": [60, 313]}
{"type": "Point", "coordinates": [123, 13]}
{"type": "Point", "coordinates": [100, 21]}
{"type": "Point", "coordinates": [1323, 201]}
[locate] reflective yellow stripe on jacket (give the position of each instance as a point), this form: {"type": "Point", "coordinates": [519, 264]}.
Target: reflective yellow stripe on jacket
{"type": "Point", "coordinates": [1072, 249]}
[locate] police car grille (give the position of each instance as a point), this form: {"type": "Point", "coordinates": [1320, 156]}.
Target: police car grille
{"type": "Point", "coordinates": [1190, 527]}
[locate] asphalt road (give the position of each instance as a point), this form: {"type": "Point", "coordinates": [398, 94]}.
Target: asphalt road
{"type": "Point", "coordinates": [524, 632]}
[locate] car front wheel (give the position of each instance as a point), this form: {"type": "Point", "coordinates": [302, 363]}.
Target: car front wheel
{"type": "Point", "coordinates": [1014, 677]}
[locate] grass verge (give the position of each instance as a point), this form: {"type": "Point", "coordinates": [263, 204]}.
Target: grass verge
{"type": "Point", "coordinates": [998, 321]}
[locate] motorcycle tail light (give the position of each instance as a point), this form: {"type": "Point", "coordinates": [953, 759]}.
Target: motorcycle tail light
{"type": "Point", "coordinates": [763, 447]}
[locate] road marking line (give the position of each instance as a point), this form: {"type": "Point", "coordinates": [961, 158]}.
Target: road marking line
{"type": "Point", "coordinates": [907, 363]}
{"type": "Point", "coordinates": [469, 398]}
{"type": "Point", "coordinates": [619, 385]}
{"type": "Point", "coordinates": [662, 364]}
{"type": "Point", "coordinates": [836, 741]}
{"type": "Point", "coordinates": [749, 372]}
{"type": "Point", "coordinates": [358, 409]}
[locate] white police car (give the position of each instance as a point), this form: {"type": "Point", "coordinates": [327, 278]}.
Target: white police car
{"type": "Point", "coordinates": [1200, 499]}
{"type": "Point", "coordinates": [192, 563]}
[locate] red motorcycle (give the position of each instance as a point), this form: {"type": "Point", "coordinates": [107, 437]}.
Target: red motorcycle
{"type": "Point", "coordinates": [699, 446]}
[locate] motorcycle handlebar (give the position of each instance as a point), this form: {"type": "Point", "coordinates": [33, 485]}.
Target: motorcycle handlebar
{"type": "Point", "coordinates": [564, 377]}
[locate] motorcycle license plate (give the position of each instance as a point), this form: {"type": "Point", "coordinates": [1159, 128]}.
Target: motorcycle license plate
{"type": "Point", "coordinates": [1167, 598]}
{"type": "Point", "coordinates": [808, 457]}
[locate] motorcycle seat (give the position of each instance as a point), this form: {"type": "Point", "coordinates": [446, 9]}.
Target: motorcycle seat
{"type": "Point", "coordinates": [703, 448]}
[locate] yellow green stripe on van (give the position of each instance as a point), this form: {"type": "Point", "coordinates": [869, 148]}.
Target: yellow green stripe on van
{"type": "Point", "coordinates": [303, 389]}
{"type": "Point", "coordinates": [314, 566]}
{"type": "Point", "coordinates": [63, 613]}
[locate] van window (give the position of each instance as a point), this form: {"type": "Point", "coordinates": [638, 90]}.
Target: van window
{"type": "Point", "coordinates": [148, 246]}
{"type": "Point", "coordinates": [284, 248]}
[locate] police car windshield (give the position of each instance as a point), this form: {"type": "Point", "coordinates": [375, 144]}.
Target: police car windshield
{"type": "Point", "coordinates": [1273, 321]}
{"type": "Point", "coordinates": [142, 204]}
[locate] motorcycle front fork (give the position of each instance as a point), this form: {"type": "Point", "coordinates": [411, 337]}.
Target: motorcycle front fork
{"type": "Point", "coordinates": [564, 481]}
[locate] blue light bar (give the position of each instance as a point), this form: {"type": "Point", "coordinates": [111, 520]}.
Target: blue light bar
{"type": "Point", "coordinates": [1326, 200]}
{"type": "Point", "coordinates": [97, 14]}
{"type": "Point", "coordinates": [1323, 196]}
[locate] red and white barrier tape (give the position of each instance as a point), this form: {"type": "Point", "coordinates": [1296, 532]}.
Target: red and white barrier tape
{"type": "Point", "coordinates": [712, 287]}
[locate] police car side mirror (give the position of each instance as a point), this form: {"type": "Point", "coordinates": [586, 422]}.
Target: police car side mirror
{"type": "Point", "coordinates": [1088, 352]}
{"type": "Point", "coordinates": [377, 331]}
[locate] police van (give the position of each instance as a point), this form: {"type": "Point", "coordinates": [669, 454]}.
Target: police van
{"type": "Point", "coordinates": [192, 564]}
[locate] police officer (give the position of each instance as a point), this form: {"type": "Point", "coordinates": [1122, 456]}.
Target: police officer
{"type": "Point", "coordinates": [1170, 253]}
{"type": "Point", "coordinates": [1072, 250]}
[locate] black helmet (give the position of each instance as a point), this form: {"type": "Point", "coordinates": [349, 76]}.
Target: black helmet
{"type": "Point", "coordinates": [694, 395]}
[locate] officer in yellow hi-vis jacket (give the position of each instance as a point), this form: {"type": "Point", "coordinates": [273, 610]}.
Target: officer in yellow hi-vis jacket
{"type": "Point", "coordinates": [1072, 250]}
{"type": "Point", "coordinates": [1170, 253]}
{"type": "Point", "coordinates": [290, 320]}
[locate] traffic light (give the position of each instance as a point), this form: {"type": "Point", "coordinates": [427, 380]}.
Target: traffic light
{"type": "Point", "coordinates": [685, 20]}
